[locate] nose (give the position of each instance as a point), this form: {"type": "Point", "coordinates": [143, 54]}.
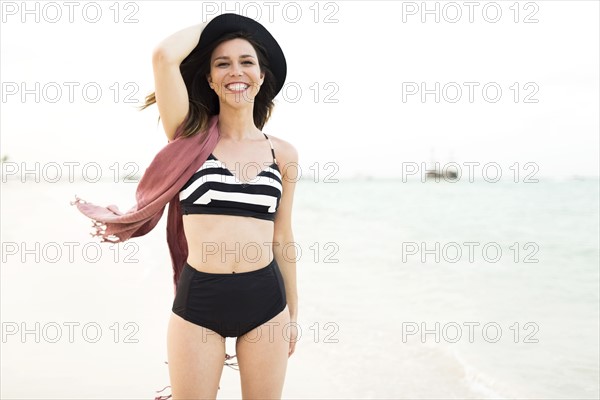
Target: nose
{"type": "Point", "coordinates": [236, 70]}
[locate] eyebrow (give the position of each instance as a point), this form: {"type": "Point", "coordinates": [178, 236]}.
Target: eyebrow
{"type": "Point", "coordinates": [227, 58]}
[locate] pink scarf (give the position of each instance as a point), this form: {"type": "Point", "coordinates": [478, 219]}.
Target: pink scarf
{"type": "Point", "coordinates": [170, 169]}
{"type": "Point", "coordinates": [168, 172]}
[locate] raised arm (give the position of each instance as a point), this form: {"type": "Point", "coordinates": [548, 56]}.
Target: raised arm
{"type": "Point", "coordinates": [169, 87]}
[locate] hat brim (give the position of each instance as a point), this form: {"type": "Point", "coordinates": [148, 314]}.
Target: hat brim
{"type": "Point", "coordinates": [228, 23]}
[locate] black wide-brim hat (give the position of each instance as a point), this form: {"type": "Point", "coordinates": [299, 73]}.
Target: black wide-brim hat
{"type": "Point", "coordinates": [228, 23]}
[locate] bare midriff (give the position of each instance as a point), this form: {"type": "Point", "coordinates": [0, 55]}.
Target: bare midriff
{"type": "Point", "coordinates": [227, 243]}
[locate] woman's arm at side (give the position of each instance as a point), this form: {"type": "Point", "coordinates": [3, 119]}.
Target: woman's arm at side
{"type": "Point", "coordinates": [169, 87]}
{"type": "Point", "coordinates": [284, 248]}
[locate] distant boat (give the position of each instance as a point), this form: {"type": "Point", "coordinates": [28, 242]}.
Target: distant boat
{"type": "Point", "coordinates": [435, 173]}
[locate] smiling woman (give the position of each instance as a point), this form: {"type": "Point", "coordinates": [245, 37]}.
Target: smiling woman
{"type": "Point", "coordinates": [230, 75]}
{"type": "Point", "coordinates": [234, 73]}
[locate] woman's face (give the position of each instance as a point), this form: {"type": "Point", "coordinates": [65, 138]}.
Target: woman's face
{"type": "Point", "coordinates": [235, 73]}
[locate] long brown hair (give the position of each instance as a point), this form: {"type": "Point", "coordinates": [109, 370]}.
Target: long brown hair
{"type": "Point", "coordinates": [204, 102]}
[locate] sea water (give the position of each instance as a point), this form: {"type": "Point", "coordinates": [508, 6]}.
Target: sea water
{"type": "Point", "coordinates": [537, 299]}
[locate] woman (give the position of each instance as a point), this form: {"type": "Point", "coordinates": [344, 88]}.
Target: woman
{"type": "Point", "coordinates": [239, 279]}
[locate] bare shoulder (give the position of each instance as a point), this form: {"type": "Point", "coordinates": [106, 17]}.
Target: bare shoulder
{"type": "Point", "coordinates": [285, 152]}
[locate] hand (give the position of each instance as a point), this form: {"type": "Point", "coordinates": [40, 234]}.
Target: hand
{"type": "Point", "coordinates": [293, 336]}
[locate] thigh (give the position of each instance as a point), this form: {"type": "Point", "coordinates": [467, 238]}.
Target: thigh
{"type": "Point", "coordinates": [196, 357]}
{"type": "Point", "coordinates": [262, 356]}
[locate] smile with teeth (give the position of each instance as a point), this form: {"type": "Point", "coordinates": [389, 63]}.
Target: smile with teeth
{"type": "Point", "coordinates": [237, 87]}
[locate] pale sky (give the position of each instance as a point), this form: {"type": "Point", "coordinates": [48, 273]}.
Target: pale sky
{"type": "Point", "coordinates": [366, 58]}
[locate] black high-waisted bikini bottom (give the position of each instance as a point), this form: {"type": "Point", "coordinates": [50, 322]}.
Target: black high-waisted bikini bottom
{"type": "Point", "coordinates": [230, 304]}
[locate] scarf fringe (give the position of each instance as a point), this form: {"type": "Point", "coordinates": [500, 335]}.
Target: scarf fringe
{"type": "Point", "coordinates": [231, 365]}
{"type": "Point", "coordinates": [99, 227]}
{"type": "Point", "coordinates": [163, 397]}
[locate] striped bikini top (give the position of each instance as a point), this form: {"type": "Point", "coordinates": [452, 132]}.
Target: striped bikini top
{"type": "Point", "coordinates": [214, 189]}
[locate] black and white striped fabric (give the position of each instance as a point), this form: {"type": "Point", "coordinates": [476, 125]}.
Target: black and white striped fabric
{"type": "Point", "coordinates": [214, 189]}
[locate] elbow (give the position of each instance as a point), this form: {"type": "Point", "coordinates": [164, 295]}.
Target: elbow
{"type": "Point", "coordinates": [284, 238]}
{"type": "Point", "coordinates": [162, 56]}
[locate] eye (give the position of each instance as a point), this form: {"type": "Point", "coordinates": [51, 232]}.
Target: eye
{"type": "Point", "coordinates": [248, 62]}
{"type": "Point", "coordinates": [221, 64]}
